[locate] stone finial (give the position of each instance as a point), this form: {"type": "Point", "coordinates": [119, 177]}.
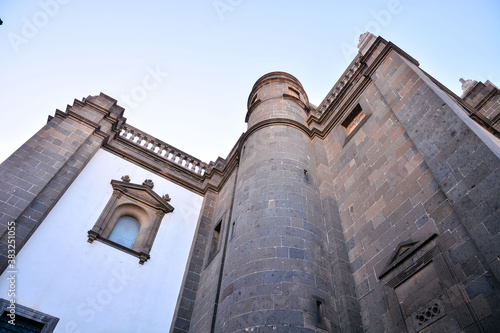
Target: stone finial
{"type": "Point", "coordinates": [149, 183]}
{"type": "Point", "coordinates": [467, 84]}
{"type": "Point", "coordinates": [365, 41]}
{"type": "Point", "coordinates": [166, 197]}
{"type": "Point", "coordinates": [126, 179]}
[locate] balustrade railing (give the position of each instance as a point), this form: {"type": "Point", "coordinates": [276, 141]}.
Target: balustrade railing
{"type": "Point", "coordinates": [163, 150]}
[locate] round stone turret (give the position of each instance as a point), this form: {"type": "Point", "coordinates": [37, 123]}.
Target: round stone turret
{"type": "Point", "coordinates": [277, 95]}
{"type": "Point", "coordinates": [276, 273]}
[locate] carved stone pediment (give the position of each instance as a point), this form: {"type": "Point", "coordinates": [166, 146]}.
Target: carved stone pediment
{"type": "Point", "coordinates": [143, 193]}
{"type": "Point", "coordinates": [138, 202]}
{"type": "Point", "coordinates": [403, 251]}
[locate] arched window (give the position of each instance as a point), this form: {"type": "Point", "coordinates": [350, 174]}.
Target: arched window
{"type": "Point", "coordinates": [131, 218]}
{"type": "Point", "coordinates": [125, 231]}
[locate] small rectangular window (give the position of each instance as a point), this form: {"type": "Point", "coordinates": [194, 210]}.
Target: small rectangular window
{"type": "Point", "coordinates": [217, 236]}
{"type": "Point", "coordinates": [294, 93]}
{"type": "Point", "coordinates": [232, 228]}
{"type": "Point", "coordinates": [319, 312]}
{"type": "Point", "coordinates": [214, 246]}
{"type": "Point", "coordinates": [354, 119]}
{"type": "Point", "coordinates": [254, 99]}
{"type": "Point", "coordinates": [25, 319]}
{"type": "Point", "coordinates": [21, 324]}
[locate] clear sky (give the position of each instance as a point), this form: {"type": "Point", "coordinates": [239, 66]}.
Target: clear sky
{"type": "Point", "coordinates": [183, 69]}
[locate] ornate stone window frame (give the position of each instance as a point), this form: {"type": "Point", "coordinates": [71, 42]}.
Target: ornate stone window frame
{"type": "Point", "coordinates": [139, 202]}
{"type": "Point", "coordinates": [49, 322]}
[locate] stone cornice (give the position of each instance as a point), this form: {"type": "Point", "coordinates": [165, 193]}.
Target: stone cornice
{"type": "Point", "coordinates": [332, 119]}
{"type": "Point", "coordinates": [251, 108]}
{"type": "Point", "coordinates": [298, 101]}
{"type": "Point", "coordinates": [349, 87]}
{"type": "Point", "coordinates": [169, 162]}
{"type": "Point", "coordinates": [276, 77]}
{"type": "Point", "coordinates": [276, 121]}
{"type": "Point", "coordinates": [144, 151]}
{"type": "Point", "coordinates": [339, 88]}
{"type": "Point", "coordinates": [151, 162]}
{"type": "Point", "coordinates": [217, 173]}
{"type": "Point", "coordinates": [76, 117]}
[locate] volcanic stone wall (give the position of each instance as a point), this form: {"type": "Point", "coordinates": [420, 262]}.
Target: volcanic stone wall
{"type": "Point", "coordinates": [416, 184]}
{"type": "Point", "coordinates": [392, 227]}
{"type": "Point", "coordinates": [277, 274]}
{"type": "Point", "coordinates": [485, 97]}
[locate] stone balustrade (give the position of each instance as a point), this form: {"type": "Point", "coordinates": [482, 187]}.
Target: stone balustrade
{"type": "Point", "coordinates": [163, 150]}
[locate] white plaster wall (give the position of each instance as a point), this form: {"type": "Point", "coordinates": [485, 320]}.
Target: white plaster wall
{"type": "Point", "coordinates": [94, 287]}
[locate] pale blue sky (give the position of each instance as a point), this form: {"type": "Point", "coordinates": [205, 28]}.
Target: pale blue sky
{"type": "Point", "coordinates": [206, 55]}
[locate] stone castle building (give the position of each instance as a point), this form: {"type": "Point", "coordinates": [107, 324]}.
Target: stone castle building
{"type": "Point", "coordinates": [376, 211]}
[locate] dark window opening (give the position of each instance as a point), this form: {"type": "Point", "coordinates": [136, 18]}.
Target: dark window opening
{"type": "Point", "coordinates": [254, 99]}
{"type": "Point", "coordinates": [25, 320]}
{"type": "Point", "coordinates": [354, 119]}
{"type": "Point", "coordinates": [22, 324]}
{"type": "Point", "coordinates": [214, 246]}
{"type": "Point", "coordinates": [294, 93]}
{"type": "Point", "coordinates": [319, 312]}
{"type": "Point", "coordinates": [232, 229]}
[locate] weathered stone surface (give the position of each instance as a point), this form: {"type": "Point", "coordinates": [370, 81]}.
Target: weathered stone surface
{"type": "Point", "coordinates": [35, 176]}
{"type": "Point", "coordinates": [314, 224]}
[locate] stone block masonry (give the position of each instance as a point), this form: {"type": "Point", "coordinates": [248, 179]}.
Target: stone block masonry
{"type": "Point", "coordinates": [359, 231]}
{"type": "Point", "coordinates": [35, 176]}
{"type": "Point", "coordinates": [279, 227]}
{"type": "Point", "coordinates": [376, 211]}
